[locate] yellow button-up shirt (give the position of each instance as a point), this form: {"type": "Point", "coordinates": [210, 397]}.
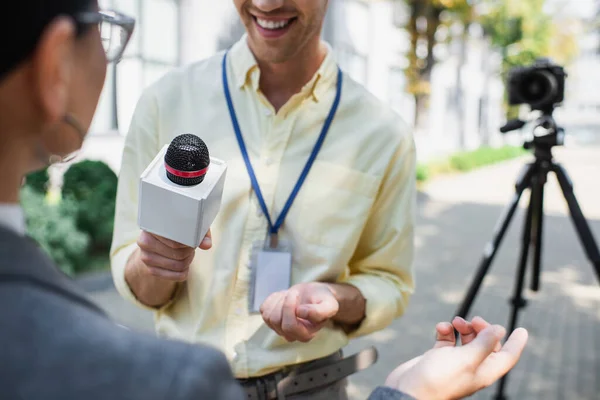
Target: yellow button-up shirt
{"type": "Point", "coordinates": [352, 221]}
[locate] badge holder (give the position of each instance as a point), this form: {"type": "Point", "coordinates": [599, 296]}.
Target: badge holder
{"type": "Point", "coordinates": [271, 266]}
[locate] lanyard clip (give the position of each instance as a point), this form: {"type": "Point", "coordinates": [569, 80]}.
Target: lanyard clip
{"type": "Point", "coordinates": [273, 241]}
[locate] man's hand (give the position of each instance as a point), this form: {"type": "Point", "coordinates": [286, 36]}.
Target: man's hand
{"type": "Point", "coordinates": [166, 259]}
{"type": "Point", "coordinates": [156, 267]}
{"type": "Point", "coordinates": [448, 372]}
{"type": "Point", "coordinates": [300, 312]}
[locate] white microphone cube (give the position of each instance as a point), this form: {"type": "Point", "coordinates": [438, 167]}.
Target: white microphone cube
{"type": "Point", "coordinates": [179, 213]}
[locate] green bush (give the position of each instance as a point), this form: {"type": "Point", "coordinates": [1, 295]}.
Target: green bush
{"type": "Point", "coordinates": [38, 181]}
{"type": "Point", "coordinates": [54, 228]}
{"type": "Point", "coordinates": [92, 185]}
{"type": "Point", "coordinates": [468, 161]}
{"type": "Point", "coordinates": [422, 172]}
{"type": "Point", "coordinates": [96, 215]}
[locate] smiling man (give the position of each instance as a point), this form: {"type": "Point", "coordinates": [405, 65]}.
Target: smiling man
{"type": "Point", "coordinates": [313, 245]}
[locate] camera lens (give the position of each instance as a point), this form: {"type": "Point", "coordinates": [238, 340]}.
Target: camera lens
{"type": "Point", "coordinates": [539, 88]}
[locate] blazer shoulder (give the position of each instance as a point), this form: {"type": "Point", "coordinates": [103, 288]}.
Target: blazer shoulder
{"type": "Point", "coordinates": [99, 358]}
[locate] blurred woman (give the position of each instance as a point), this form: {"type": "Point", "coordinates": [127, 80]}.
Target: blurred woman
{"type": "Point", "coordinates": [54, 343]}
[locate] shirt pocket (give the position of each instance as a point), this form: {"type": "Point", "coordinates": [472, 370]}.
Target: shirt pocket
{"type": "Point", "coordinates": [335, 203]}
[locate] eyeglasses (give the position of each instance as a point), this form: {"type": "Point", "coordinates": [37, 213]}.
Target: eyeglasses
{"type": "Point", "coordinates": [115, 29]}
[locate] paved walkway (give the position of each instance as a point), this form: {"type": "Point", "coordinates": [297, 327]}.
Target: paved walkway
{"type": "Point", "coordinates": [456, 217]}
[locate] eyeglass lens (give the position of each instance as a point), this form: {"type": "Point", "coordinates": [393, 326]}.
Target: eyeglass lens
{"type": "Point", "coordinates": [113, 39]}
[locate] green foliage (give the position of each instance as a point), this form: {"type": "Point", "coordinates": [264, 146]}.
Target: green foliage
{"type": "Point", "coordinates": [468, 161]}
{"type": "Point", "coordinates": [81, 179]}
{"type": "Point", "coordinates": [418, 72]}
{"type": "Point", "coordinates": [422, 173]}
{"type": "Point", "coordinates": [525, 32]}
{"type": "Point", "coordinates": [92, 185]}
{"type": "Point", "coordinates": [76, 232]}
{"type": "Point", "coordinates": [38, 181]}
{"type": "Point", "coordinates": [461, 10]}
{"type": "Point", "coordinates": [521, 29]}
{"type": "Point", "coordinates": [53, 227]}
{"type": "Point", "coordinates": [436, 13]}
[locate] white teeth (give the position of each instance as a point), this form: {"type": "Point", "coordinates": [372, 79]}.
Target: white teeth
{"type": "Point", "coordinates": [272, 24]}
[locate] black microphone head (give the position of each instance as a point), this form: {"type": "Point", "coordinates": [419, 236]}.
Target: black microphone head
{"type": "Point", "coordinates": [187, 160]}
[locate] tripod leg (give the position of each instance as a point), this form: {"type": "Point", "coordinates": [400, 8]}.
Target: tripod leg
{"type": "Point", "coordinates": [581, 225]}
{"type": "Point", "coordinates": [537, 197]}
{"type": "Point", "coordinates": [517, 301]}
{"type": "Point", "coordinates": [492, 247]}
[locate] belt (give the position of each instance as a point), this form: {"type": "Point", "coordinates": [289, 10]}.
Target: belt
{"type": "Point", "coordinates": [280, 384]}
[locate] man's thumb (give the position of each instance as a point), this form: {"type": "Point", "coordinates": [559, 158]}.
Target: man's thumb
{"type": "Point", "coordinates": [316, 313]}
{"type": "Point", "coordinates": [485, 342]}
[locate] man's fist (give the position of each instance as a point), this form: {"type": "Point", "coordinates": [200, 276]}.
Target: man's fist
{"type": "Point", "coordinates": [167, 259]}
{"type": "Point", "coordinates": [298, 313]}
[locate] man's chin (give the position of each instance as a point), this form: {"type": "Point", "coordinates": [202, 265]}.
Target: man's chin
{"type": "Point", "coordinates": [272, 55]}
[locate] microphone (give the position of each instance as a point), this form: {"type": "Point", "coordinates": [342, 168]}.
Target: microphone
{"type": "Point", "coordinates": [187, 160]}
{"type": "Point", "coordinates": [181, 190]}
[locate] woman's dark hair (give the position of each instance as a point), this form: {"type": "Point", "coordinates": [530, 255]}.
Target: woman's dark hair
{"type": "Point", "coordinates": [25, 23]}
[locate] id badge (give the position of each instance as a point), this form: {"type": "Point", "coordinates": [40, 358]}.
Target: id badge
{"type": "Point", "coordinates": [271, 264]}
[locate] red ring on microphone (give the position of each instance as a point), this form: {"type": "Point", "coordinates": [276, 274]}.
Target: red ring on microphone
{"type": "Point", "coordinates": [186, 174]}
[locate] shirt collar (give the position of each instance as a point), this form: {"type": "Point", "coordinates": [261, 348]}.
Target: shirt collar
{"type": "Point", "coordinates": [247, 73]}
{"type": "Point", "coordinates": [12, 218]}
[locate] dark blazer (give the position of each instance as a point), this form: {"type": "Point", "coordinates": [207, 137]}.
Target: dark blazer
{"type": "Point", "coordinates": [55, 344]}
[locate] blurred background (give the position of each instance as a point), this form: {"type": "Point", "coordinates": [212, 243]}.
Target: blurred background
{"type": "Point", "coordinates": [442, 65]}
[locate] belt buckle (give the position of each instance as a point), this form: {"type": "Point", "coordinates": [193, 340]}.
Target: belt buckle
{"type": "Point", "coordinates": [266, 388]}
{"type": "Point", "coordinates": [278, 392]}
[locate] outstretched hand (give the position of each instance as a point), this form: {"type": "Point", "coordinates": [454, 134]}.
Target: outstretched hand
{"type": "Point", "coordinates": [449, 372]}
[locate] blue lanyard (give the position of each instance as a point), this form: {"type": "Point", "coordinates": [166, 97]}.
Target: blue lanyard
{"type": "Point", "coordinates": [273, 229]}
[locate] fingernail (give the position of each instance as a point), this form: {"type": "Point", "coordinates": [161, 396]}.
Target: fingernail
{"type": "Point", "coordinates": [207, 241]}
{"type": "Point", "coordinates": [460, 319]}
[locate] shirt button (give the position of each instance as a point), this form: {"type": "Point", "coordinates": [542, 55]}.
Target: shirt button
{"type": "Point", "coordinates": [268, 113]}
{"type": "Point", "coordinates": [268, 161]}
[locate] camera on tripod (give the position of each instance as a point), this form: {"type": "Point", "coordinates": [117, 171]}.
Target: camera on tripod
{"type": "Point", "coordinates": [541, 85]}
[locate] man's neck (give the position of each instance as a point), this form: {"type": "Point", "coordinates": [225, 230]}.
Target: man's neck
{"type": "Point", "coordinates": [279, 82]}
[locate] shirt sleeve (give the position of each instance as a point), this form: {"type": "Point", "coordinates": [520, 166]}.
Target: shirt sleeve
{"type": "Point", "coordinates": [140, 148]}
{"type": "Point", "coordinates": [382, 265]}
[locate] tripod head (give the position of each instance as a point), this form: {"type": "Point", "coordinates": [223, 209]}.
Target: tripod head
{"type": "Point", "coordinates": [546, 133]}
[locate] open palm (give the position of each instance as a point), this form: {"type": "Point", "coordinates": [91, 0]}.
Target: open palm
{"type": "Point", "coordinates": [448, 372]}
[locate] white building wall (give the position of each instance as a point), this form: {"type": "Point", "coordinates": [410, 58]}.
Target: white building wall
{"type": "Point", "coordinates": [203, 24]}
{"type": "Point", "coordinates": [581, 109]}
